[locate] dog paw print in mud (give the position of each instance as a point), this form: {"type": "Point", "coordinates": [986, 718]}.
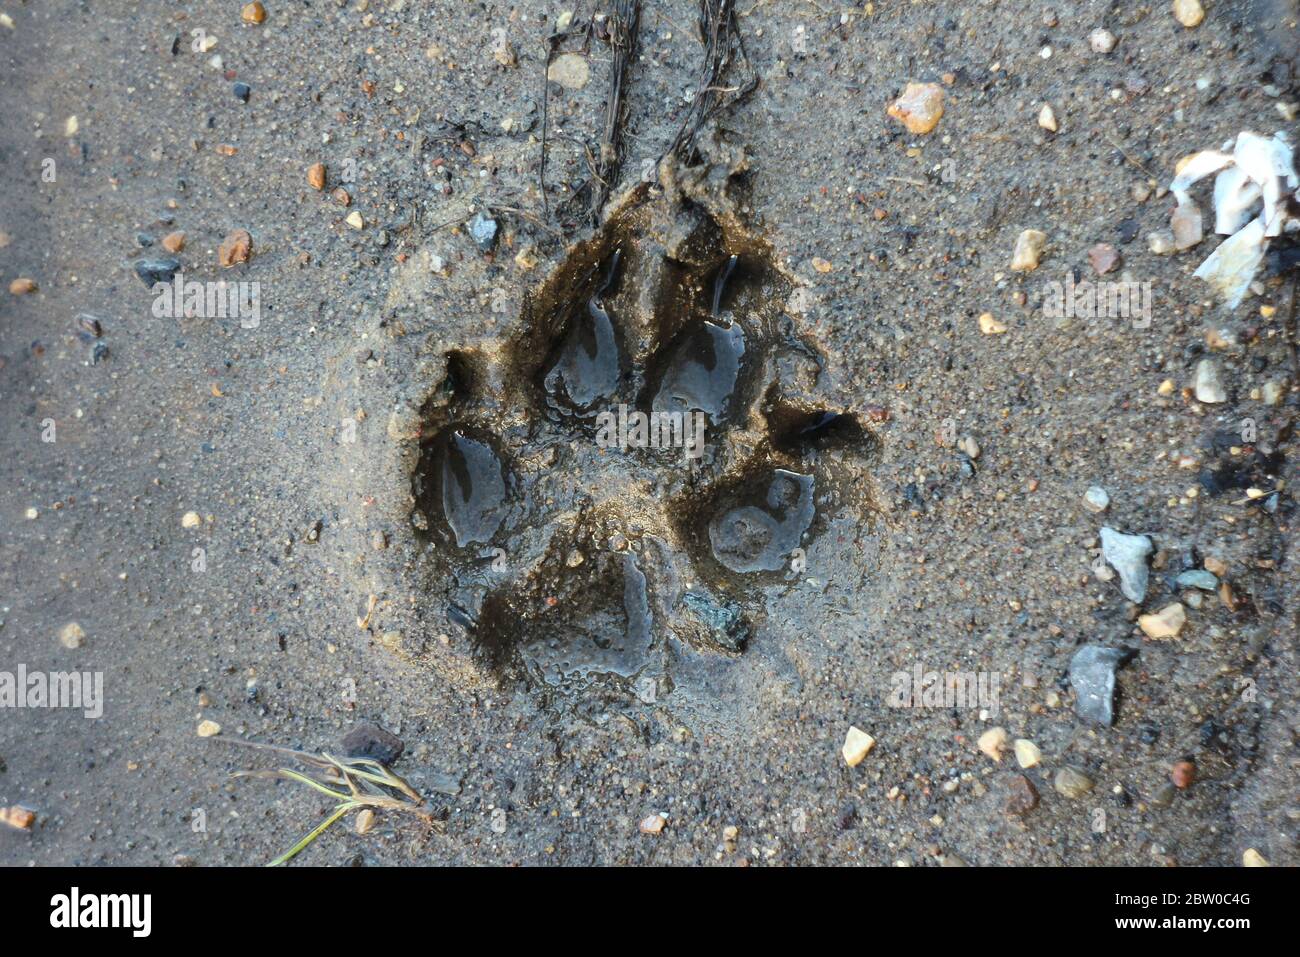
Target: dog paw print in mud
{"type": "Point", "coordinates": [621, 493]}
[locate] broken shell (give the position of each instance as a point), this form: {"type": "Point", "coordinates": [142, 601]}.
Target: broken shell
{"type": "Point", "coordinates": [1196, 167]}
{"type": "Point", "coordinates": [1230, 268]}
{"type": "Point", "coordinates": [1235, 195]}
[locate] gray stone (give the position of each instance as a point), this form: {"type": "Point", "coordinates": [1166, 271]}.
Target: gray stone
{"type": "Point", "coordinates": [1198, 578]}
{"type": "Point", "coordinates": [154, 271]}
{"type": "Point", "coordinates": [371, 741]}
{"type": "Point", "coordinates": [1127, 554]}
{"type": "Point", "coordinates": [723, 624]}
{"type": "Point", "coordinates": [1092, 675]}
{"type": "Point", "coordinates": [483, 230]}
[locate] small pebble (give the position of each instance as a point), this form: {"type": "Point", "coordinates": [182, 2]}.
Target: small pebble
{"type": "Point", "coordinates": [22, 286]}
{"type": "Point", "coordinates": [504, 53]}
{"type": "Point", "coordinates": [919, 108]}
{"type": "Point", "coordinates": [154, 271]}
{"type": "Point", "coordinates": [1071, 783]}
{"type": "Point", "coordinates": [1208, 383]}
{"type": "Point", "coordinates": [1166, 623]}
{"type": "Point", "coordinates": [316, 176]}
{"type": "Point", "coordinates": [483, 230]}
{"type": "Point", "coordinates": [857, 745]}
{"type": "Point", "coordinates": [191, 520]}
{"type": "Point", "coordinates": [654, 824]}
{"type": "Point", "coordinates": [990, 326]}
{"type": "Point", "coordinates": [242, 91]}
{"type": "Point", "coordinates": [1047, 118]}
{"type": "Point", "coordinates": [1252, 858]}
{"type": "Point", "coordinates": [526, 258]}
{"type": "Point", "coordinates": [174, 242]}
{"type": "Point", "coordinates": [1127, 554]}
{"type": "Point", "coordinates": [1161, 242]}
{"type": "Point", "coordinates": [208, 729]}
{"type": "Point", "coordinates": [1187, 226]}
{"type": "Point", "coordinates": [1182, 774]}
{"type": "Point", "coordinates": [1092, 675]}
{"type": "Point", "coordinates": [369, 740]}
{"type": "Point", "coordinates": [17, 817]}
{"type": "Point", "coordinates": [1198, 578]}
{"type": "Point", "coordinates": [1189, 13]}
{"type": "Point", "coordinates": [1028, 754]}
{"type": "Point", "coordinates": [570, 70]}
{"type": "Point", "coordinates": [1029, 247]}
{"type": "Point", "coordinates": [235, 249]}
{"type": "Point", "coordinates": [1096, 499]}
{"type": "Point", "coordinates": [253, 12]}
{"type": "Point", "coordinates": [993, 742]}
{"type": "Point", "coordinates": [1104, 257]}
{"type": "Point", "coordinates": [71, 635]}
{"type": "Point", "coordinates": [1022, 796]}
{"type": "Point", "coordinates": [355, 221]}
{"type": "Point", "coordinates": [1101, 41]}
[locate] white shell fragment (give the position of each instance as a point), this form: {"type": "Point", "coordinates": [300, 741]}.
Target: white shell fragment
{"type": "Point", "coordinates": [1255, 179]}
{"type": "Point", "coordinates": [1197, 168]}
{"type": "Point", "coordinates": [1230, 268]}
{"type": "Point", "coordinates": [1235, 194]}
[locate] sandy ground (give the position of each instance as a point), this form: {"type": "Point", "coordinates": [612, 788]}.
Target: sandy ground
{"type": "Point", "coordinates": [294, 441]}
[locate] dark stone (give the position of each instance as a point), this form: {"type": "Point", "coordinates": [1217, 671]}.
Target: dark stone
{"type": "Point", "coordinates": [1092, 675]}
{"type": "Point", "coordinates": [1022, 796]}
{"type": "Point", "coordinates": [154, 271]}
{"type": "Point", "coordinates": [483, 230]}
{"type": "Point", "coordinates": [368, 740]}
{"type": "Point", "coordinates": [242, 92]}
{"type": "Point", "coordinates": [723, 623]}
{"type": "Point", "coordinates": [848, 816]}
{"type": "Point", "coordinates": [1282, 260]}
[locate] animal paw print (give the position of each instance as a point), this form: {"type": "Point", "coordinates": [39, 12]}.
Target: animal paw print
{"type": "Point", "coordinates": [614, 497]}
